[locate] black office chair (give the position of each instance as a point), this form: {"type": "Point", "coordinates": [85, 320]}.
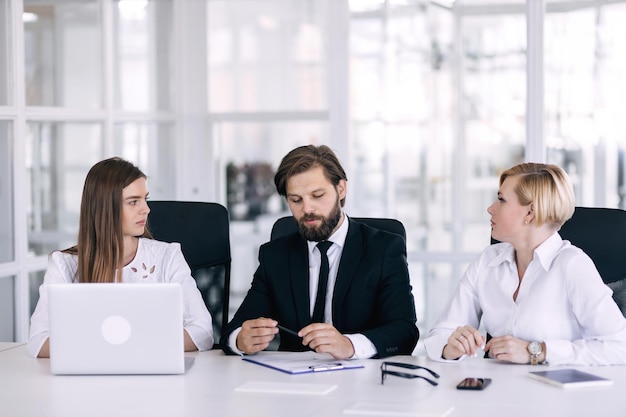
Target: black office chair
{"type": "Point", "coordinates": [287, 225]}
{"type": "Point", "coordinates": [601, 234]}
{"type": "Point", "coordinates": [202, 229]}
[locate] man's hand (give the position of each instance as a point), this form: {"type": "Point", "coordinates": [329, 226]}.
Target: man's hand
{"type": "Point", "coordinates": [256, 335]}
{"type": "Point", "coordinates": [324, 338]}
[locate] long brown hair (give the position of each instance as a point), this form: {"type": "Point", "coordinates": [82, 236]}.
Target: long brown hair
{"type": "Point", "coordinates": [100, 247]}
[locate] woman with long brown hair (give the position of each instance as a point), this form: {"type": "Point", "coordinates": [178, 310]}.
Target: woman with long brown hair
{"type": "Point", "coordinates": [114, 245]}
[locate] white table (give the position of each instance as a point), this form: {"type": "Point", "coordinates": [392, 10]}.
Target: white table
{"type": "Point", "coordinates": [9, 345]}
{"type": "Point", "coordinates": [208, 389]}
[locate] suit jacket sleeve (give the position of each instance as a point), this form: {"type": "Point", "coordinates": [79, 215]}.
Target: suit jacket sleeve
{"type": "Point", "coordinates": [271, 293]}
{"type": "Point", "coordinates": [373, 291]}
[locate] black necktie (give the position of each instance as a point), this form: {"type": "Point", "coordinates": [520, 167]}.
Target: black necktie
{"type": "Point", "coordinates": [320, 300]}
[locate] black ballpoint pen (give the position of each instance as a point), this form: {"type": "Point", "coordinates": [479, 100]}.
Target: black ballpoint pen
{"type": "Point", "coordinates": [286, 330]}
{"type": "Point", "coordinates": [293, 333]}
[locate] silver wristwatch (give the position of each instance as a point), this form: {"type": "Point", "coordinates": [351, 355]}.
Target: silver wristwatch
{"type": "Point", "coordinates": [535, 349]}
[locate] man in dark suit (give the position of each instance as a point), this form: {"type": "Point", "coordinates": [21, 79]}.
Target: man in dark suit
{"type": "Point", "coordinates": [366, 307]}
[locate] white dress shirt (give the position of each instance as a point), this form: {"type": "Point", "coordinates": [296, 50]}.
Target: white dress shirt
{"type": "Point", "coordinates": [363, 347]}
{"type": "Point", "coordinates": [154, 261]}
{"type": "Point", "coordinates": [562, 301]}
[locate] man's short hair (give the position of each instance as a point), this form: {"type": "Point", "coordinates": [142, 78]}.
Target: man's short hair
{"type": "Point", "coordinates": [304, 158]}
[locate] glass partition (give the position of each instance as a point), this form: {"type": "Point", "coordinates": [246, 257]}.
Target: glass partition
{"type": "Point", "coordinates": [7, 240]}
{"type": "Point", "coordinates": [58, 157]}
{"type": "Point", "coordinates": [267, 55]}
{"type": "Point", "coordinates": [492, 115]}
{"type": "Point", "coordinates": [58, 34]}
{"type": "Point", "coordinates": [424, 152]}
{"type": "Point", "coordinates": [5, 57]}
{"type": "Point", "coordinates": [143, 54]}
{"type": "Point", "coordinates": [151, 147]}
{"type": "Point", "coordinates": [585, 110]}
{"type": "Point", "coordinates": [7, 309]}
{"type": "Point", "coordinates": [401, 118]}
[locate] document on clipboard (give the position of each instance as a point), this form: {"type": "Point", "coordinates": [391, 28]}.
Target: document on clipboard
{"type": "Point", "coordinates": [301, 362]}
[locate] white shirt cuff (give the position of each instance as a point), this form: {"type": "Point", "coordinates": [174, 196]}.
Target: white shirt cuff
{"type": "Point", "coordinates": [232, 341]}
{"type": "Point", "coordinates": [363, 347]}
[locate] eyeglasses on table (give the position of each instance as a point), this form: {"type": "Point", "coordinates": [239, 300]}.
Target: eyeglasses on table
{"type": "Point", "coordinates": [384, 372]}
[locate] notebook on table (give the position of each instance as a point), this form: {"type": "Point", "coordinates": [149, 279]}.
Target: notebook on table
{"type": "Point", "coordinates": [116, 328]}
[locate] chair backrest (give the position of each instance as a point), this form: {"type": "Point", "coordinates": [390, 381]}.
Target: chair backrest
{"type": "Point", "coordinates": [202, 229]}
{"type": "Point", "coordinates": [601, 234]}
{"type": "Point", "coordinates": [287, 225]}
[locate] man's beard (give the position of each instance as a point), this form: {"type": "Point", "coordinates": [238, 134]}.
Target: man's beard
{"type": "Point", "coordinates": [324, 230]}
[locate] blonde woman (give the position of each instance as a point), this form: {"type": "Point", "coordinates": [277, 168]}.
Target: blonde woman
{"type": "Point", "coordinates": [539, 297]}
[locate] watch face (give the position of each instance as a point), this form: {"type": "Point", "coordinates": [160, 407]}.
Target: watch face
{"type": "Point", "coordinates": [534, 348]}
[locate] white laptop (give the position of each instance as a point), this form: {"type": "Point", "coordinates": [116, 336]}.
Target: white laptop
{"type": "Point", "coordinates": [116, 328]}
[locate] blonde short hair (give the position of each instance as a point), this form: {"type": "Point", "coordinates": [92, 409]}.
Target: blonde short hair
{"type": "Point", "coordinates": [548, 187]}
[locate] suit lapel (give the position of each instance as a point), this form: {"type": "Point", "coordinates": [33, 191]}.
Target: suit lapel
{"type": "Point", "coordinates": [299, 273]}
{"type": "Point", "coordinates": [350, 258]}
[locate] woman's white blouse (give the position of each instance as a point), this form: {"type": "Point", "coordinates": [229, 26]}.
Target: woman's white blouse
{"type": "Point", "coordinates": [154, 261]}
{"type": "Point", "coordinates": [562, 301]}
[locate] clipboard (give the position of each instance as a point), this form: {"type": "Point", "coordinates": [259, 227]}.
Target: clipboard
{"type": "Point", "coordinates": [301, 362]}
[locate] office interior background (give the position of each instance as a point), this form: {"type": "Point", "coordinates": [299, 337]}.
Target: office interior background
{"type": "Point", "coordinates": [425, 102]}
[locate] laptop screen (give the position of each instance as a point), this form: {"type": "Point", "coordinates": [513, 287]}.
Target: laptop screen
{"type": "Point", "coordinates": [116, 328]}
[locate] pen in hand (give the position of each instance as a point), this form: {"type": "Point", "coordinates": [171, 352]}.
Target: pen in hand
{"type": "Point", "coordinates": [293, 333]}
{"type": "Point", "coordinates": [286, 330]}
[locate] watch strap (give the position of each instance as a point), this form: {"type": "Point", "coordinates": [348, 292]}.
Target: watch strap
{"type": "Point", "coordinates": [534, 359]}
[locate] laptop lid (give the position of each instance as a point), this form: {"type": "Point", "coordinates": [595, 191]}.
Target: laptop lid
{"type": "Point", "coordinates": [116, 328]}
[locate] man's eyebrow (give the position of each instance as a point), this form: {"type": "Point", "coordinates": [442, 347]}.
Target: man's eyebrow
{"type": "Point", "coordinates": [317, 190]}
